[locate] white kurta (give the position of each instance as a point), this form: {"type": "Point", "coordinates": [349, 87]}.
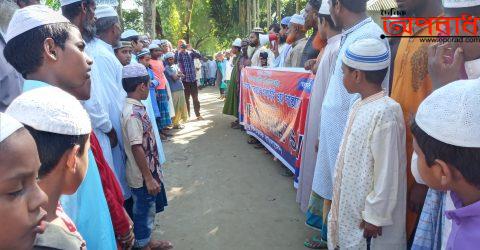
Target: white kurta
{"type": "Point", "coordinates": [256, 58]}
{"type": "Point", "coordinates": [114, 96]}
{"type": "Point", "coordinates": [336, 106]}
{"type": "Point", "coordinates": [99, 116]}
{"type": "Point", "coordinates": [312, 128]}
{"type": "Point", "coordinates": [370, 178]}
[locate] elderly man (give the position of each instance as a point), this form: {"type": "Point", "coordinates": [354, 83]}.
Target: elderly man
{"type": "Point", "coordinates": [282, 47]}
{"type": "Point", "coordinates": [296, 38]}
{"type": "Point", "coordinates": [257, 41]}
{"type": "Point", "coordinates": [311, 22]}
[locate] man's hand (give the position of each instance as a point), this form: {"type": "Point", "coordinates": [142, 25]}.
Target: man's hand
{"type": "Point", "coordinates": [112, 135]}
{"type": "Point", "coordinates": [445, 62]}
{"type": "Point", "coordinates": [153, 187]}
{"type": "Point", "coordinates": [417, 197]}
{"type": "Point", "coordinates": [370, 230]}
{"type": "Point", "coordinates": [310, 63]}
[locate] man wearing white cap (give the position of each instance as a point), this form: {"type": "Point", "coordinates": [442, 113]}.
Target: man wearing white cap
{"type": "Point", "coordinates": [280, 50]}
{"type": "Point", "coordinates": [133, 37]}
{"type": "Point", "coordinates": [349, 15]}
{"type": "Point", "coordinates": [232, 100]}
{"type": "Point", "coordinates": [23, 216]}
{"type": "Point", "coordinates": [61, 129]}
{"type": "Point", "coordinates": [258, 40]}
{"type": "Point", "coordinates": [296, 38]}
{"type": "Point", "coordinates": [307, 192]}
{"type": "Point", "coordinates": [369, 194]}
{"type": "Point", "coordinates": [446, 139]}
{"type": "Point", "coordinates": [82, 14]}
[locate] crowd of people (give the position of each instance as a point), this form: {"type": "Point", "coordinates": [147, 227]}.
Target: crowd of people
{"type": "Point", "coordinates": [391, 147]}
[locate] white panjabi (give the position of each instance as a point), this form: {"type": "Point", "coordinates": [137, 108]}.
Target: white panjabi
{"type": "Point", "coordinates": [134, 70]}
{"type": "Point", "coordinates": [51, 109]}
{"type": "Point", "coordinates": [31, 17]}
{"type": "Point", "coordinates": [324, 8]}
{"type": "Point", "coordinates": [453, 4]}
{"type": "Point", "coordinates": [8, 126]}
{"type": "Point", "coordinates": [297, 19]}
{"type": "Point", "coordinates": [105, 11]}
{"type": "Point", "coordinates": [367, 54]}
{"type": "Point", "coordinates": [450, 114]}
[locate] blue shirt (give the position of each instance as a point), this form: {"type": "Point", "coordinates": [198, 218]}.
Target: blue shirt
{"type": "Point", "coordinates": [175, 85]}
{"type": "Point", "coordinates": [186, 64]}
{"type": "Point", "coordinates": [87, 207]}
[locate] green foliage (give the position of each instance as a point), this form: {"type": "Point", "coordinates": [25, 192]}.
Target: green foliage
{"type": "Point", "coordinates": [133, 19]}
{"type": "Point", "coordinates": [54, 4]}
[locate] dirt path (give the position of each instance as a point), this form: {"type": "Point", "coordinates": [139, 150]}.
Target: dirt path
{"type": "Point", "coordinates": [224, 194]}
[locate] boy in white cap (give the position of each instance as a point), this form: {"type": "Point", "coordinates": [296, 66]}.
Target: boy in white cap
{"type": "Point", "coordinates": [48, 50]}
{"type": "Point", "coordinates": [232, 100]}
{"type": "Point", "coordinates": [61, 129]}
{"type": "Point", "coordinates": [134, 38]}
{"type": "Point", "coordinates": [297, 40]}
{"type": "Point", "coordinates": [447, 142]}
{"type": "Point", "coordinates": [123, 52]}
{"type": "Point", "coordinates": [21, 209]}
{"type": "Point", "coordinates": [369, 193]}
{"type": "Point", "coordinates": [144, 174]}
{"type": "Point", "coordinates": [174, 77]}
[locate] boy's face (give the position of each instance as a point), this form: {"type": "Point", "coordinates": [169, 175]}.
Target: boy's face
{"type": "Point", "coordinates": [156, 53]}
{"type": "Point", "coordinates": [264, 62]}
{"type": "Point", "coordinates": [350, 79]}
{"type": "Point", "coordinates": [124, 55]}
{"type": "Point", "coordinates": [20, 196]}
{"type": "Point", "coordinates": [75, 176]}
{"type": "Point", "coordinates": [144, 90]}
{"type": "Point", "coordinates": [145, 60]}
{"type": "Point", "coordinates": [137, 46]}
{"type": "Point", "coordinates": [431, 175]}
{"type": "Point", "coordinates": [171, 61]}
{"type": "Point", "coordinates": [73, 66]}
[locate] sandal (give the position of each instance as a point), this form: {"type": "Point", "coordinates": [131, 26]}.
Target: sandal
{"type": "Point", "coordinates": [315, 243]}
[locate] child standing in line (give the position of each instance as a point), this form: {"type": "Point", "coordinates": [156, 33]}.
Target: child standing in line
{"type": "Point", "coordinates": [144, 174]}
{"type": "Point", "coordinates": [61, 129]}
{"type": "Point", "coordinates": [174, 77]}
{"type": "Point", "coordinates": [21, 209]}
{"type": "Point", "coordinates": [369, 190]}
{"type": "Point", "coordinates": [446, 135]}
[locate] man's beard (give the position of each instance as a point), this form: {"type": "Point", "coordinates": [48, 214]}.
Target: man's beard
{"type": "Point", "coordinates": [88, 31]}
{"type": "Point", "coordinates": [318, 43]}
{"type": "Point", "coordinates": [253, 45]}
{"type": "Point", "coordinates": [291, 38]}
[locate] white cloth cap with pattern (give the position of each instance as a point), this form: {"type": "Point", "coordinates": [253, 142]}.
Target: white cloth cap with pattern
{"type": "Point", "coordinates": [297, 19]}
{"type": "Point", "coordinates": [367, 54]}
{"type": "Point", "coordinates": [128, 33]}
{"type": "Point", "coordinates": [324, 8]}
{"type": "Point", "coordinates": [451, 114]}
{"type": "Point", "coordinates": [237, 42]}
{"type": "Point", "coordinates": [67, 2]}
{"type": "Point", "coordinates": [134, 70]}
{"type": "Point", "coordinates": [8, 126]}
{"type": "Point", "coordinates": [453, 4]}
{"type": "Point", "coordinates": [105, 11]}
{"type": "Point", "coordinates": [51, 109]}
{"type": "Point", "coordinates": [169, 55]}
{"type": "Point", "coordinates": [31, 17]}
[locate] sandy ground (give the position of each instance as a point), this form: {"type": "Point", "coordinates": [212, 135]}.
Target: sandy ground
{"type": "Point", "coordinates": [223, 193]}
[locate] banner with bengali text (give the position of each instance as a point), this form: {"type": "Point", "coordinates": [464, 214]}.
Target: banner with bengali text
{"type": "Point", "coordinates": [273, 109]}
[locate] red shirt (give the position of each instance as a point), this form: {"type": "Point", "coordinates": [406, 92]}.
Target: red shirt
{"type": "Point", "coordinates": [111, 189]}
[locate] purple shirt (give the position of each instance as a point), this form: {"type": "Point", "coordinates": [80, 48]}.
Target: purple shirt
{"type": "Point", "coordinates": [465, 232]}
{"type": "Point", "coordinates": [186, 64]}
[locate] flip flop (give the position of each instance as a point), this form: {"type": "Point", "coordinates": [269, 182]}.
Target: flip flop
{"type": "Point", "coordinates": [315, 243]}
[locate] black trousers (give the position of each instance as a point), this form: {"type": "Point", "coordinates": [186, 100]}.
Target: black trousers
{"type": "Point", "coordinates": [191, 89]}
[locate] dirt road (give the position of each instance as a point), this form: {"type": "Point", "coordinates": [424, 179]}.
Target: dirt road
{"type": "Point", "coordinates": [224, 194]}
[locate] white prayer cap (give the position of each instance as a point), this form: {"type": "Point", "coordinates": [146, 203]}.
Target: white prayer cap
{"type": "Point", "coordinates": [153, 46]}
{"type": "Point", "coordinates": [162, 42]}
{"type": "Point", "coordinates": [156, 42]}
{"type": "Point", "coordinates": [134, 70]}
{"type": "Point", "coordinates": [128, 33]}
{"type": "Point", "coordinates": [367, 54]}
{"type": "Point", "coordinates": [324, 8]}
{"type": "Point", "coordinates": [51, 109]}
{"type": "Point", "coordinates": [143, 52]}
{"type": "Point", "coordinates": [297, 19]}
{"type": "Point", "coordinates": [67, 2]}
{"type": "Point", "coordinates": [122, 44]}
{"type": "Point", "coordinates": [8, 126]}
{"type": "Point", "coordinates": [237, 42]}
{"type": "Point", "coordinates": [453, 4]}
{"type": "Point", "coordinates": [257, 30]}
{"type": "Point", "coordinates": [31, 17]}
{"type": "Point", "coordinates": [450, 114]}
{"type": "Point", "coordinates": [105, 11]}
{"type": "Point", "coordinates": [169, 55]}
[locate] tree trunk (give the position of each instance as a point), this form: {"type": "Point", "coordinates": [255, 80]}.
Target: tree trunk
{"type": "Point", "coordinates": [297, 6]}
{"type": "Point", "coordinates": [249, 15]}
{"type": "Point", "coordinates": [279, 11]}
{"type": "Point", "coordinates": [269, 12]}
{"type": "Point", "coordinates": [149, 17]}
{"type": "Point", "coordinates": [120, 13]}
{"type": "Point", "coordinates": [158, 24]}
{"type": "Point", "coordinates": [188, 19]}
